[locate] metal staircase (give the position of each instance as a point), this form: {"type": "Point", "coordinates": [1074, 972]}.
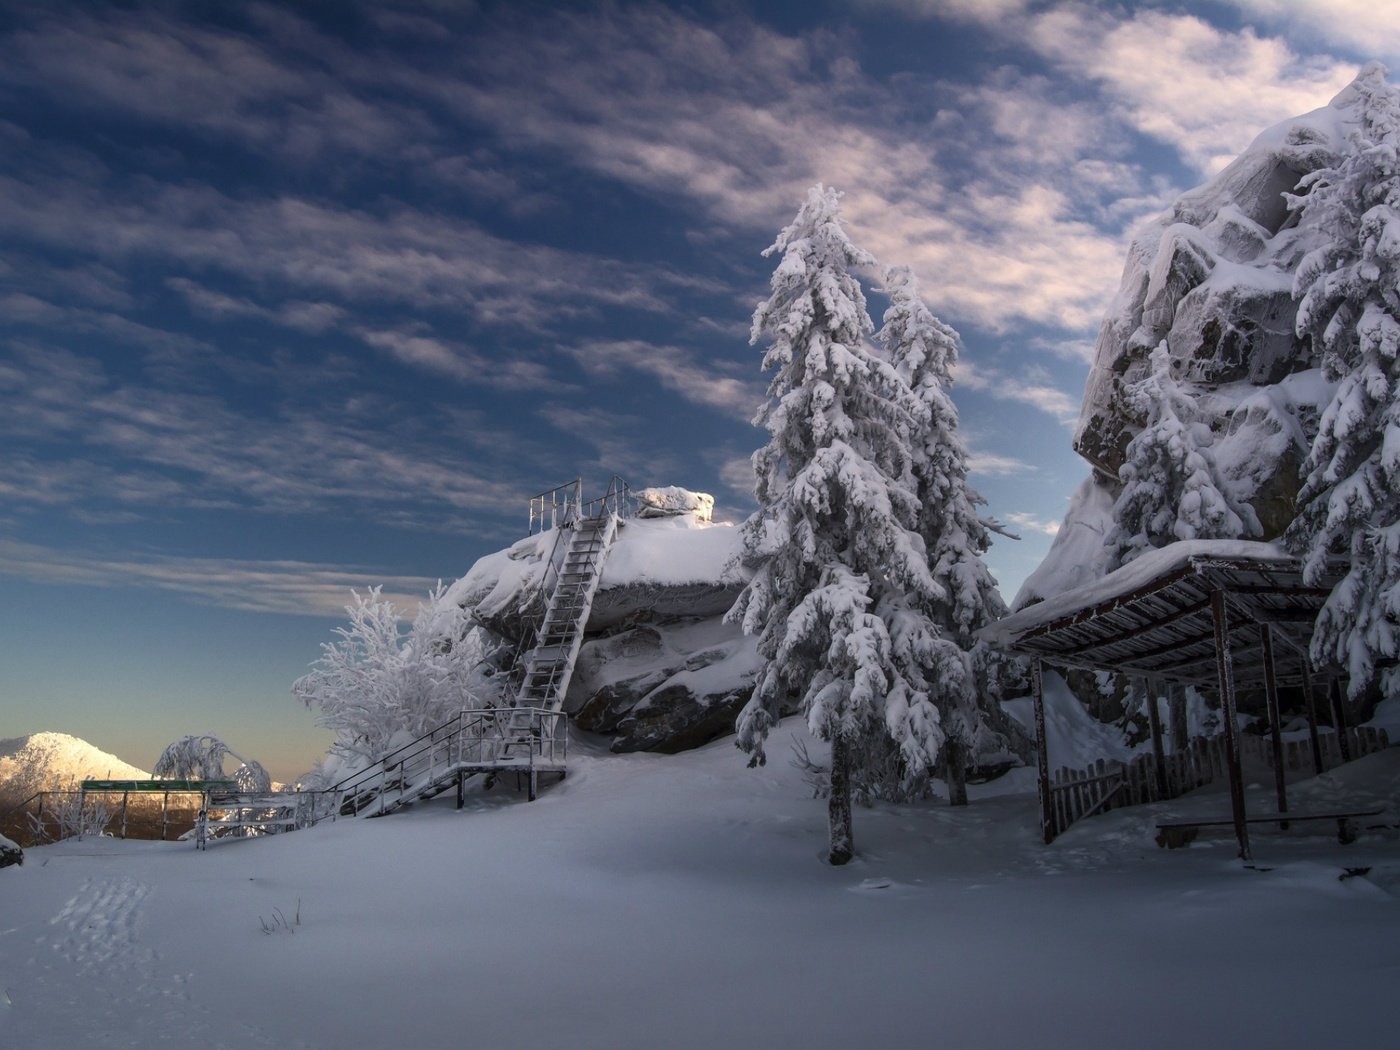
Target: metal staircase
{"type": "Point", "coordinates": [550, 664]}
{"type": "Point", "coordinates": [529, 737]}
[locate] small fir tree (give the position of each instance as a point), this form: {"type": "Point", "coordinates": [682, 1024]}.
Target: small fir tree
{"type": "Point", "coordinates": [1172, 489]}
{"type": "Point", "coordinates": [1349, 306]}
{"type": "Point", "coordinates": [833, 548]}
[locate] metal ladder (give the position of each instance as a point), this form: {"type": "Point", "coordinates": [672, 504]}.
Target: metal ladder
{"type": "Point", "coordinates": [550, 664]}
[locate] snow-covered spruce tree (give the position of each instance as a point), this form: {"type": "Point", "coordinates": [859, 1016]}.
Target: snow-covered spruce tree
{"type": "Point", "coordinates": [1349, 292]}
{"type": "Point", "coordinates": [1172, 489]}
{"type": "Point", "coordinates": [378, 684]}
{"type": "Point", "coordinates": [933, 647]}
{"type": "Point", "coordinates": [833, 548]}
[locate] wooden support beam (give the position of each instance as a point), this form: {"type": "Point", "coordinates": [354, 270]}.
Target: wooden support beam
{"type": "Point", "coordinates": [1266, 638]}
{"type": "Point", "coordinates": [1181, 730]}
{"type": "Point", "coordinates": [1153, 686]}
{"type": "Point", "coordinates": [1225, 673]}
{"type": "Point", "coordinates": [1318, 767]}
{"type": "Point", "coordinates": [1339, 716]}
{"type": "Point", "coordinates": [1042, 748]}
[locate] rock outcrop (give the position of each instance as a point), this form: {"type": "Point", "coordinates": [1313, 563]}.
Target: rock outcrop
{"type": "Point", "coordinates": [1211, 277]}
{"type": "Point", "coordinates": [659, 670]}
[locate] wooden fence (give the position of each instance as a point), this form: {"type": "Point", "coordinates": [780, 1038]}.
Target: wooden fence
{"type": "Point", "coordinates": [1079, 793]}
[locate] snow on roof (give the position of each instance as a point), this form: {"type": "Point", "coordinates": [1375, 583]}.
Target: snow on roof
{"type": "Point", "coordinates": [1132, 577]}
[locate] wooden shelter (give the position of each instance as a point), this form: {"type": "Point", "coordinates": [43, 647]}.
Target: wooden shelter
{"type": "Point", "coordinates": [1220, 614]}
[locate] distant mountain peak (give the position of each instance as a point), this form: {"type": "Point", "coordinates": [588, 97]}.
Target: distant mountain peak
{"type": "Point", "coordinates": [53, 761]}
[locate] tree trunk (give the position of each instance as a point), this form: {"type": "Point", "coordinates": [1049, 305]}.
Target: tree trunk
{"type": "Point", "coordinates": [955, 771]}
{"type": "Point", "coordinates": [839, 802]}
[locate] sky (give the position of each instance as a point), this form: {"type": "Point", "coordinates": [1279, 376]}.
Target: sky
{"type": "Point", "coordinates": [300, 298]}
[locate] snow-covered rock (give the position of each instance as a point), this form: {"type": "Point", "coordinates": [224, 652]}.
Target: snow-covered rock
{"type": "Point", "coordinates": [658, 670]}
{"type": "Point", "coordinates": [1212, 278]}
{"type": "Point", "coordinates": [10, 853]}
{"type": "Point", "coordinates": [672, 501]}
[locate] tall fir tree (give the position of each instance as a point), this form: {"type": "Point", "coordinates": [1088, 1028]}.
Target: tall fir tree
{"type": "Point", "coordinates": [923, 351]}
{"type": "Point", "coordinates": [1172, 489]}
{"type": "Point", "coordinates": [1349, 305]}
{"type": "Point", "coordinates": [833, 548]}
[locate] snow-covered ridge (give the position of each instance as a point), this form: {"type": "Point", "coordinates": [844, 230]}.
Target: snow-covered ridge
{"type": "Point", "coordinates": [55, 761]}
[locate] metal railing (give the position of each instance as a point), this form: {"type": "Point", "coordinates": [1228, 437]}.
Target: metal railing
{"type": "Point", "coordinates": [522, 738]}
{"type": "Point", "coordinates": [555, 507]}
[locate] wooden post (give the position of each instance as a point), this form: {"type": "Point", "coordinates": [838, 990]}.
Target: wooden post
{"type": "Point", "coordinates": [1154, 722]}
{"type": "Point", "coordinates": [1181, 734]}
{"type": "Point", "coordinates": [126, 795]}
{"type": "Point", "coordinates": [461, 790]}
{"type": "Point", "coordinates": [1266, 636]}
{"type": "Point", "coordinates": [1318, 767]}
{"type": "Point", "coordinates": [1225, 673]}
{"type": "Point", "coordinates": [1339, 716]}
{"type": "Point", "coordinates": [1042, 748]}
{"type": "Point", "coordinates": [164, 813]}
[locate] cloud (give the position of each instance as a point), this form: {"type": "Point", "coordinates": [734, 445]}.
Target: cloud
{"type": "Point", "coordinates": [1367, 29]}
{"type": "Point", "coordinates": [991, 463]}
{"type": "Point", "coordinates": [1026, 390]}
{"type": "Point", "coordinates": [1034, 524]}
{"type": "Point", "coordinates": [979, 11]}
{"type": "Point", "coordinates": [147, 449]}
{"type": "Point", "coordinates": [678, 370]}
{"type": "Point", "coordinates": [738, 120]}
{"type": "Point", "coordinates": [297, 588]}
{"type": "Point", "coordinates": [1204, 90]}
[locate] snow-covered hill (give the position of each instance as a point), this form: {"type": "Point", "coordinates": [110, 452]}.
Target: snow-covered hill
{"type": "Point", "coordinates": [53, 761]}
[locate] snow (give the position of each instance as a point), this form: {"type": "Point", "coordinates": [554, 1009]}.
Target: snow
{"type": "Point", "coordinates": [55, 761]}
{"type": "Point", "coordinates": [681, 901]}
{"type": "Point", "coordinates": [1129, 578]}
{"type": "Point", "coordinates": [672, 551]}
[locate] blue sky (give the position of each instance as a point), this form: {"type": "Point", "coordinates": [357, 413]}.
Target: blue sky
{"type": "Point", "coordinates": [299, 298]}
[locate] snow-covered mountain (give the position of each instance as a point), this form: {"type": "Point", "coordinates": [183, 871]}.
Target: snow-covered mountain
{"type": "Point", "coordinates": [1212, 277]}
{"type": "Point", "coordinates": [52, 761]}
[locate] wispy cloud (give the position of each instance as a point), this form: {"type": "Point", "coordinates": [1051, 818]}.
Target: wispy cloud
{"type": "Point", "coordinates": [298, 588]}
{"type": "Point", "coordinates": [676, 369]}
{"type": "Point", "coordinates": [1031, 523]}
{"type": "Point", "coordinates": [993, 464]}
{"type": "Point", "coordinates": [150, 450]}
{"type": "Point", "coordinates": [1204, 90]}
{"type": "Point", "coordinates": [1367, 29]}
{"type": "Point", "coordinates": [1026, 390]}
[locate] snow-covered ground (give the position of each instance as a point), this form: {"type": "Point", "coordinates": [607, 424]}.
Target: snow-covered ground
{"type": "Point", "coordinates": [682, 901]}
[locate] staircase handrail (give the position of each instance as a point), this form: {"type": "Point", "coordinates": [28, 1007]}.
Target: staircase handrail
{"type": "Point", "coordinates": [559, 511]}
{"type": "Point", "coordinates": [615, 500]}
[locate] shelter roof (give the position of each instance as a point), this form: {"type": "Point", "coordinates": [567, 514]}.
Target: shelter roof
{"type": "Point", "coordinates": [1153, 616]}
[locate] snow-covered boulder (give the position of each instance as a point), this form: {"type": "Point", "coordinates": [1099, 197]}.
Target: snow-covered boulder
{"type": "Point", "coordinates": [663, 686]}
{"type": "Point", "coordinates": [672, 501]}
{"type": "Point", "coordinates": [10, 853]}
{"type": "Point", "coordinates": [658, 670]}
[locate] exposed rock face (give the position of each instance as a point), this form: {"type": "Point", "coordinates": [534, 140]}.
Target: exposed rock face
{"type": "Point", "coordinates": [664, 686]}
